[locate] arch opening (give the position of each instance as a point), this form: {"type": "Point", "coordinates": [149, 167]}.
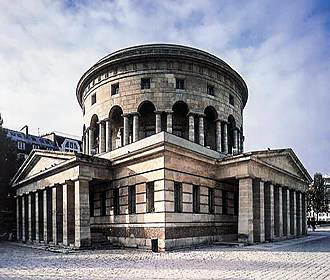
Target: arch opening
{"type": "Point", "coordinates": [94, 135]}
{"type": "Point", "coordinates": [147, 119]}
{"type": "Point", "coordinates": [211, 116]}
{"type": "Point", "coordinates": [180, 119]}
{"type": "Point", "coordinates": [231, 139]}
{"type": "Point", "coordinates": [117, 127]}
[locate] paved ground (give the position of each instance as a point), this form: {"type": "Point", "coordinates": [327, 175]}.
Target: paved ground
{"type": "Point", "coordinates": [305, 258]}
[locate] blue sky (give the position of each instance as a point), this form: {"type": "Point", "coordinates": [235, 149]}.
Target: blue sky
{"type": "Point", "coordinates": [281, 49]}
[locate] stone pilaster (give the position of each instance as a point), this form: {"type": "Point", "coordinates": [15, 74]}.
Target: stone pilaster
{"type": "Point", "coordinates": [30, 216]}
{"type": "Point", "coordinates": [269, 211]}
{"type": "Point", "coordinates": [245, 216]}
{"type": "Point", "coordinates": [169, 120]}
{"type": "Point", "coordinates": [57, 212]}
{"type": "Point", "coordinates": [191, 127]}
{"type": "Point", "coordinates": [201, 130]}
{"type": "Point", "coordinates": [82, 214]}
{"type": "Point", "coordinates": [102, 137]}
{"type": "Point", "coordinates": [68, 213]}
{"type": "Point", "coordinates": [24, 215]}
{"type": "Point", "coordinates": [158, 121]}
{"type": "Point", "coordinates": [225, 137]}
{"type": "Point", "coordinates": [218, 135]}
{"type": "Point", "coordinates": [126, 129]}
{"type": "Point", "coordinates": [258, 211]}
{"type": "Point", "coordinates": [135, 127]}
{"type": "Point", "coordinates": [48, 234]}
{"type": "Point", "coordinates": [108, 135]}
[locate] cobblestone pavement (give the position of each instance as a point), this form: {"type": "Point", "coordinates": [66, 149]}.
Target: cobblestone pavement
{"type": "Point", "coordinates": [304, 258]}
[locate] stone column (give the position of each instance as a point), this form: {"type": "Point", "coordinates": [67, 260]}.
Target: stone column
{"type": "Point", "coordinates": [82, 214]}
{"type": "Point", "coordinates": [68, 213]}
{"type": "Point", "coordinates": [225, 138]}
{"type": "Point", "coordinates": [269, 211]}
{"type": "Point", "coordinates": [280, 210]}
{"type": "Point", "coordinates": [37, 230]}
{"type": "Point", "coordinates": [108, 135]}
{"type": "Point", "coordinates": [245, 215]}
{"type": "Point", "coordinates": [158, 121]}
{"type": "Point", "coordinates": [57, 211]}
{"type": "Point", "coordinates": [102, 137]}
{"type": "Point", "coordinates": [30, 216]}
{"type": "Point", "coordinates": [126, 129]}
{"type": "Point", "coordinates": [24, 218]}
{"type": "Point", "coordinates": [91, 140]}
{"type": "Point", "coordinates": [288, 213]}
{"type": "Point", "coordinates": [48, 234]}
{"type": "Point", "coordinates": [235, 142]}
{"type": "Point", "coordinates": [293, 220]}
{"type": "Point", "coordinates": [304, 207]}
{"type": "Point", "coordinates": [218, 135]}
{"type": "Point", "coordinates": [258, 211]}
{"type": "Point", "coordinates": [191, 127]}
{"type": "Point", "coordinates": [201, 130]}
{"type": "Point", "coordinates": [87, 141]}
{"type": "Point", "coordinates": [18, 218]}
{"type": "Point", "coordinates": [169, 121]}
{"type": "Point", "coordinates": [136, 127]}
{"type": "Point", "coordinates": [299, 216]}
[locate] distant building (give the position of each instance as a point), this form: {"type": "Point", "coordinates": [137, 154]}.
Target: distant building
{"type": "Point", "coordinates": [65, 143]}
{"type": "Point", "coordinates": [26, 142]}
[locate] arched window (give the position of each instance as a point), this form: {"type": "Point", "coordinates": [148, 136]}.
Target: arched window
{"type": "Point", "coordinates": [147, 119]}
{"type": "Point", "coordinates": [210, 127]}
{"type": "Point", "coordinates": [94, 135]}
{"type": "Point", "coordinates": [117, 127]}
{"type": "Point", "coordinates": [180, 119]}
{"type": "Point", "coordinates": [231, 127]}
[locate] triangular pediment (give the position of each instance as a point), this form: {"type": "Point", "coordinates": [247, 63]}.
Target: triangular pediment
{"type": "Point", "coordinates": [39, 161]}
{"type": "Point", "coordinates": [284, 159]}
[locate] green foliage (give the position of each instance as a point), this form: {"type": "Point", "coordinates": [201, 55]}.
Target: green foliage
{"type": "Point", "coordinates": [9, 164]}
{"type": "Point", "coordinates": [317, 195]}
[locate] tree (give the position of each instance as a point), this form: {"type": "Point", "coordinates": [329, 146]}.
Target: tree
{"type": "Point", "coordinates": [317, 195]}
{"type": "Point", "coordinates": [9, 164]}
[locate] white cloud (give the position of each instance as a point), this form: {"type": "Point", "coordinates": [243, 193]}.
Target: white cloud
{"type": "Point", "coordinates": [280, 50]}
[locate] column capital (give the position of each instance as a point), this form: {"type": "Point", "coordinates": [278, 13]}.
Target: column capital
{"type": "Point", "coordinates": [168, 111]}
{"type": "Point", "coordinates": [136, 114]}
{"type": "Point", "coordinates": [106, 119]}
{"type": "Point", "coordinates": [126, 115]}
{"type": "Point", "coordinates": [158, 112]}
{"type": "Point", "coordinates": [101, 122]}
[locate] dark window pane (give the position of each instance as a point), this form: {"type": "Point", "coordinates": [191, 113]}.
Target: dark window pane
{"type": "Point", "coordinates": [150, 197]}
{"type": "Point", "coordinates": [116, 207]}
{"type": "Point", "coordinates": [180, 83]}
{"type": "Point", "coordinates": [145, 83]}
{"type": "Point", "coordinates": [131, 199]}
{"type": "Point", "coordinates": [177, 197]}
{"type": "Point", "coordinates": [211, 200]}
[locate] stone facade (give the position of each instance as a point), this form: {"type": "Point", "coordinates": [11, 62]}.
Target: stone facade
{"type": "Point", "coordinates": [163, 164]}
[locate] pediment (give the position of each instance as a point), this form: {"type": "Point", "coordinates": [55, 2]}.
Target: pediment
{"type": "Point", "coordinates": [285, 160]}
{"type": "Point", "coordinates": [39, 161]}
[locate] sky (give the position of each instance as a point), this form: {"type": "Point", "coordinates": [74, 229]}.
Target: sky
{"type": "Point", "coordinates": [280, 48]}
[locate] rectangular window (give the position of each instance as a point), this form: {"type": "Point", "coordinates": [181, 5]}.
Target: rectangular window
{"type": "Point", "coordinates": [177, 197]}
{"type": "Point", "coordinates": [210, 90]}
{"type": "Point", "coordinates": [179, 83]}
{"type": "Point", "coordinates": [103, 204]}
{"type": "Point", "coordinates": [196, 199]}
{"type": "Point", "coordinates": [93, 98]}
{"type": "Point", "coordinates": [21, 145]}
{"type": "Point", "coordinates": [150, 197]}
{"type": "Point", "coordinates": [131, 200]}
{"type": "Point", "coordinates": [224, 203]}
{"type": "Point", "coordinates": [145, 83]}
{"type": "Point", "coordinates": [211, 200]}
{"type": "Point", "coordinates": [231, 99]}
{"type": "Point", "coordinates": [91, 204]}
{"type": "Point", "coordinates": [116, 207]}
{"type": "Point", "coordinates": [115, 89]}
{"type": "Point", "coordinates": [35, 147]}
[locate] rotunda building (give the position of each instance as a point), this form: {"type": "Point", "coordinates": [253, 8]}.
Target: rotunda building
{"type": "Point", "coordinates": [163, 164]}
{"type": "Point", "coordinates": [140, 91]}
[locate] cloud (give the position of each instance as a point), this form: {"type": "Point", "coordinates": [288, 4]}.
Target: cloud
{"type": "Point", "coordinates": [281, 50]}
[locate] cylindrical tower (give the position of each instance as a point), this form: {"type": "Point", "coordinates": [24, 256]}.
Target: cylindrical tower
{"type": "Point", "coordinates": [139, 91]}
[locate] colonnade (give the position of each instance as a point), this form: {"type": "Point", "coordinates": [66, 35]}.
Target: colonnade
{"type": "Point", "coordinates": [131, 132]}
{"type": "Point", "coordinates": [55, 215]}
{"type": "Point", "coordinates": [268, 211]}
